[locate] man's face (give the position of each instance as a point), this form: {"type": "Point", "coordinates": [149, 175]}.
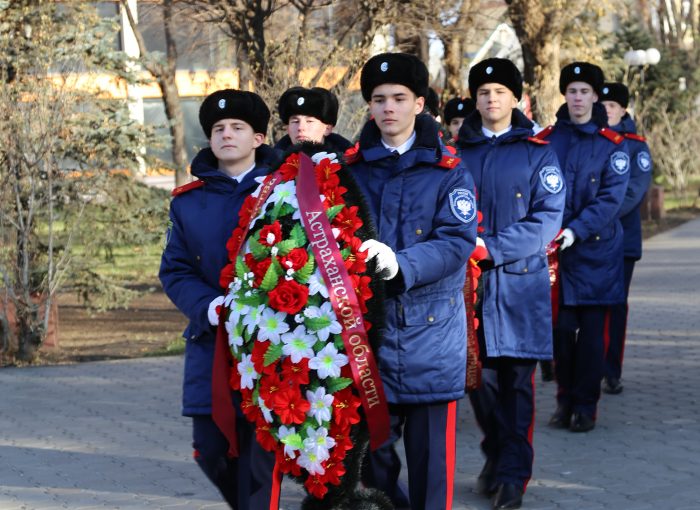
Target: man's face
{"type": "Point", "coordinates": [495, 103]}
{"type": "Point", "coordinates": [233, 140]}
{"type": "Point", "coordinates": [615, 112]}
{"type": "Point", "coordinates": [454, 126]}
{"type": "Point", "coordinates": [580, 97]}
{"type": "Point", "coordinates": [394, 108]}
{"type": "Point", "coordinates": [302, 128]}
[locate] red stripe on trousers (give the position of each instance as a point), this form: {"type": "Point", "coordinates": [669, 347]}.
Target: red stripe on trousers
{"type": "Point", "coordinates": [531, 428]}
{"type": "Point", "coordinates": [606, 334]}
{"type": "Point", "coordinates": [450, 451]}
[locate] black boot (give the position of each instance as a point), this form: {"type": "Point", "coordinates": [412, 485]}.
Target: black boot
{"type": "Point", "coordinates": [508, 495]}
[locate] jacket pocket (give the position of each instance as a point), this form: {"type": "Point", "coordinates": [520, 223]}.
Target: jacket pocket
{"type": "Point", "coordinates": [531, 264]}
{"type": "Point", "coordinates": [428, 312]}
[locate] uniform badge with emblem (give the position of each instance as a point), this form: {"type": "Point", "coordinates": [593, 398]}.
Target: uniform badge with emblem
{"type": "Point", "coordinates": [551, 180]}
{"type": "Point", "coordinates": [644, 161]}
{"type": "Point", "coordinates": [620, 162]}
{"type": "Point", "coordinates": [463, 205]}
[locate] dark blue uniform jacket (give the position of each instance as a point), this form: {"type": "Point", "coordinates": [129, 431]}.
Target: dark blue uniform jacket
{"type": "Point", "coordinates": [640, 178]}
{"type": "Point", "coordinates": [521, 194]}
{"type": "Point", "coordinates": [201, 221]}
{"type": "Point", "coordinates": [596, 171]}
{"type": "Point", "coordinates": [427, 214]}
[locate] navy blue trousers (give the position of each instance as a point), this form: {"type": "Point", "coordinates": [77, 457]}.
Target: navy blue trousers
{"type": "Point", "coordinates": [617, 328]}
{"type": "Point", "coordinates": [504, 408]}
{"type": "Point", "coordinates": [429, 441]}
{"type": "Point", "coordinates": [579, 357]}
{"type": "Point", "coordinates": [245, 482]}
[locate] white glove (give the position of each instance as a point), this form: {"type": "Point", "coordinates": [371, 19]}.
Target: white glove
{"type": "Point", "coordinates": [214, 309]}
{"type": "Point", "coordinates": [565, 239]}
{"type": "Point", "coordinates": [480, 242]}
{"type": "Point", "coordinates": [387, 265]}
{"type": "Point", "coordinates": [316, 158]}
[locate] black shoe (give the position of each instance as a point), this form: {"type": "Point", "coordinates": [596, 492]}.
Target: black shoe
{"type": "Point", "coordinates": [581, 423]}
{"type": "Point", "coordinates": [612, 386]}
{"type": "Point", "coordinates": [546, 370]}
{"type": "Point", "coordinates": [508, 495]}
{"type": "Point", "coordinates": [486, 482]}
{"type": "Point", "coordinates": [561, 419]}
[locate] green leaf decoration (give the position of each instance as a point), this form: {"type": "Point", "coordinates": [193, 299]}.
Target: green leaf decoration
{"type": "Point", "coordinates": [258, 250]}
{"type": "Point", "coordinates": [345, 253]}
{"type": "Point", "coordinates": [316, 323]}
{"type": "Point", "coordinates": [333, 211]}
{"type": "Point", "coordinates": [241, 267]}
{"type": "Point", "coordinates": [254, 300]}
{"type": "Point", "coordinates": [318, 346]}
{"type": "Point", "coordinates": [286, 210]}
{"type": "Point", "coordinates": [293, 440]}
{"type": "Point", "coordinates": [298, 236]}
{"type": "Point", "coordinates": [270, 279]}
{"type": "Point", "coordinates": [284, 247]}
{"type": "Point", "coordinates": [275, 213]}
{"type": "Point", "coordinates": [334, 384]}
{"type": "Point", "coordinates": [303, 275]}
{"type": "Point", "coordinates": [273, 353]}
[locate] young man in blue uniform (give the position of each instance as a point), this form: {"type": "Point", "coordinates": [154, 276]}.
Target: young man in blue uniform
{"type": "Point", "coordinates": [596, 170]}
{"type": "Point", "coordinates": [310, 115]}
{"type": "Point", "coordinates": [422, 202]}
{"type": "Point", "coordinates": [615, 98]}
{"type": "Point", "coordinates": [456, 110]}
{"type": "Point", "coordinates": [203, 214]}
{"type": "Point", "coordinates": [521, 195]}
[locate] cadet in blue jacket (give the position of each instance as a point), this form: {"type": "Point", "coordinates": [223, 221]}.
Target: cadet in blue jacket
{"type": "Point", "coordinates": [596, 171]}
{"type": "Point", "coordinates": [520, 192]}
{"type": "Point", "coordinates": [203, 214]}
{"type": "Point", "coordinates": [310, 115]}
{"type": "Point", "coordinates": [616, 98]}
{"type": "Point", "coordinates": [422, 201]}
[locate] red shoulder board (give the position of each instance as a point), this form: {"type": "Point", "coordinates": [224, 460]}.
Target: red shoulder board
{"type": "Point", "coordinates": [544, 133]}
{"type": "Point", "coordinates": [451, 150]}
{"type": "Point", "coordinates": [633, 136]}
{"type": "Point", "coordinates": [352, 155]}
{"type": "Point", "coordinates": [187, 187]}
{"type": "Point", "coordinates": [611, 135]}
{"type": "Point", "coordinates": [538, 141]}
{"type": "Point", "coordinates": [449, 162]}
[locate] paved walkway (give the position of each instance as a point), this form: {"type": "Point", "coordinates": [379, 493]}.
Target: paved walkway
{"type": "Point", "coordinates": [108, 435]}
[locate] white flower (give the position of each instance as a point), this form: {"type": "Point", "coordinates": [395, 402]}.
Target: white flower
{"type": "Point", "coordinates": [238, 310]}
{"type": "Point", "coordinates": [311, 462]}
{"type": "Point", "coordinates": [285, 192]}
{"type": "Point", "coordinates": [325, 311]}
{"type": "Point", "coordinates": [272, 325]}
{"type": "Point", "coordinates": [321, 404]}
{"type": "Point", "coordinates": [235, 333]}
{"type": "Point", "coordinates": [317, 285]}
{"type": "Point", "coordinates": [246, 369]}
{"type": "Point", "coordinates": [259, 180]}
{"type": "Point", "coordinates": [328, 361]}
{"type": "Point", "coordinates": [298, 344]}
{"type": "Point", "coordinates": [252, 318]}
{"type": "Point", "coordinates": [283, 432]}
{"type": "Point", "coordinates": [267, 414]}
{"type": "Point", "coordinates": [317, 442]}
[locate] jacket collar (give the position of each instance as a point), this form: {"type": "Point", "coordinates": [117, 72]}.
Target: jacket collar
{"type": "Point", "coordinates": [471, 134]}
{"type": "Point", "coordinates": [205, 167]}
{"type": "Point", "coordinates": [426, 148]}
{"type": "Point", "coordinates": [626, 125]}
{"type": "Point", "coordinates": [599, 119]}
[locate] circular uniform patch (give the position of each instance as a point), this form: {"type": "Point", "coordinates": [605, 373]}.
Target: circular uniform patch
{"type": "Point", "coordinates": [384, 67]}
{"type": "Point", "coordinates": [620, 162]}
{"type": "Point", "coordinates": [551, 180]}
{"type": "Point", "coordinates": [222, 104]}
{"type": "Point", "coordinates": [463, 205]}
{"type": "Point", "coordinates": [644, 161]}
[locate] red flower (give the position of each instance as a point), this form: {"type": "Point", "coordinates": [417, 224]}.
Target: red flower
{"type": "Point", "coordinates": [251, 411]}
{"type": "Point", "coordinates": [334, 470]}
{"type": "Point", "coordinates": [295, 373]}
{"type": "Point", "coordinates": [348, 222]}
{"type": "Point", "coordinates": [234, 378]}
{"type": "Point", "coordinates": [258, 354]}
{"type": "Point", "coordinates": [333, 195]}
{"type": "Point", "coordinates": [247, 210]}
{"type": "Point", "coordinates": [290, 168]}
{"type": "Point", "coordinates": [355, 263]}
{"type": "Point", "coordinates": [345, 405]}
{"type": "Point", "coordinates": [362, 290]}
{"type": "Point", "coordinates": [265, 437]}
{"type": "Point", "coordinates": [290, 406]}
{"type": "Point", "coordinates": [271, 234]}
{"type": "Point", "coordinates": [257, 267]}
{"type": "Point", "coordinates": [343, 442]}
{"type": "Point", "coordinates": [226, 276]}
{"type": "Point", "coordinates": [269, 385]}
{"type": "Point", "coordinates": [289, 296]}
{"type": "Point", "coordinates": [327, 173]}
{"type": "Point", "coordinates": [298, 257]}
{"type": "Point", "coordinates": [287, 464]}
{"type": "Point", "coordinates": [233, 245]}
{"type": "Point", "coordinates": [315, 486]}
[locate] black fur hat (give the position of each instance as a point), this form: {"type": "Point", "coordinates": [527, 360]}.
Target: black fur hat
{"type": "Point", "coordinates": [458, 107]}
{"type": "Point", "coordinates": [496, 70]}
{"type": "Point", "coordinates": [234, 104]}
{"type": "Point", "coordinates": [314, 102]}
{"type": "Point", "coordinates": [582, 71]}
{"type": "Point", "coordinates": [432, 103]}
{"type": "Point", "coordinates": [617, 92]}
{"type": "Point", "coordinates": [400, 68]}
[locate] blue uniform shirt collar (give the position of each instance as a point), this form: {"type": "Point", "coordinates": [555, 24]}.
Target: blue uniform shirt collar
{"type": "Point", "coordinates": [490, 134]}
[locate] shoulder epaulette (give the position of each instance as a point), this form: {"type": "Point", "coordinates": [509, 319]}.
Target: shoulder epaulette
{"type": "Point", "coordinates": [536, 140]}
{"type": "Point", "coordinates": [448, 161]}
{"type": "Point", "coordinates": [544, 133]}
{"type": "Point", "coordinates": [352, 155]}
{"type": "Point", "coordinates": [633, 136]}
{"type": "Point", "coordinates": [187, 187]}
{"type": "Point", "coordinates": [611, 135]}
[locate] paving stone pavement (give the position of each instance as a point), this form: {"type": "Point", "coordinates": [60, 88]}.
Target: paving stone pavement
{"type": "Point", "coordinates": [109, 435]}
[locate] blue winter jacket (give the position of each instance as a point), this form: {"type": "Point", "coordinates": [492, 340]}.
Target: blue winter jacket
{"type": "Point", "coordinates": [201, 221]}
{"type": "Point", "coordinates": [596, 171]}
{"type": "Point", "coordinates": [423, 205]}
{"type": "Point", "coordinates": [640, 178]}
{"type": "Point", "coordinates": [521, 194]}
